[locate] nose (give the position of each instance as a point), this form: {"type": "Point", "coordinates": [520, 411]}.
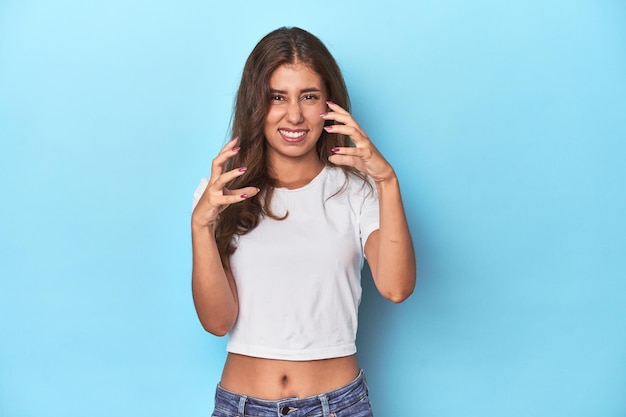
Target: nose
{"type": "Point", "coordinates": [294, 113]}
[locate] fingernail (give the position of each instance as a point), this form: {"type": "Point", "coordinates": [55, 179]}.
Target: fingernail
{"type": "Point", "coordinates": [236, 149]}
{"type": "Point", "coordinates": [234, 139]}
{"type": "Point", "coordinates": [328, 128]}
{"type": "Point", "coordinates": [243, 169]}
{"type": "Point", "coordinates": [324, 114]}
{"type": "Point", "coordinates": [335, 149]}
{"type": "Point", "coordinates": [258, 190]}
{"type": "Point", "coordinates": [330, 103]}
{"type": "Point", "coordinates": [244, 196]}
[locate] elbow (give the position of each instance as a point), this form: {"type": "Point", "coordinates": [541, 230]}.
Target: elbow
{"type": "Point", "coordinates": [399, 296]}
{"type": "Point", "coordinates": [217, 328]}
{"type": "Point", "coordinates": [401, 290]}
{"type": "Point", "coordinates": [216, 320]}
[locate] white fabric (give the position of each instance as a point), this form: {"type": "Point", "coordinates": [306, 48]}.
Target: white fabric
{"type": "Point", "coordinates": [299, 279]}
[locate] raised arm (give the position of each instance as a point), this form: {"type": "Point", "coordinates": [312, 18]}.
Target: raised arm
{"type": "Point", "coordinates": [389, 249]}
{"type": "Point", "coordinates": [213, 287]}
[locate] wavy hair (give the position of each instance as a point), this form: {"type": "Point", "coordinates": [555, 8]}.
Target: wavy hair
{"type": "Point", "coordinates": [286, 45]}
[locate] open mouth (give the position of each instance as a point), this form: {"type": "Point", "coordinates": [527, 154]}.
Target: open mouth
{"type": "Point", "coordinates": [292, 135]}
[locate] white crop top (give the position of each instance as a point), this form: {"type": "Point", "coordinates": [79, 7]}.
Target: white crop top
{"type": "Point", "coordinates": [299, 279]}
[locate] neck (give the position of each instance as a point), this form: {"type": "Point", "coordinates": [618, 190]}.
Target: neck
{"type": "Point", "coordinates": [295, 173]}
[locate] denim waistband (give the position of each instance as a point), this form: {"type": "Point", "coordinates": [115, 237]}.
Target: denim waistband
{"type": "Point", "coordinates": [321, 405]}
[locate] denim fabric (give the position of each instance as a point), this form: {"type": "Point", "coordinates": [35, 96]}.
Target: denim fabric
{"type": "Point", "coordinates": [349, 401]}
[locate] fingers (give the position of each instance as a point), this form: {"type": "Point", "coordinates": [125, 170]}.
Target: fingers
{"type": "Point", "coordinates": [336, 108]}
{"type": "Point", "coordinates": [348, 126]}
{"type": "Point", "coordinates": [217, 166]}
{"type": "Point", "coordinates": [364, 156]}
{"type": "Point", "coordinates": [217, 196]}
{"type": "Point", "coordinates": [354, 157]}
{"type": "Point", "coordinates": [219, 178]}
{"type": "Point", "coordinates": [236, 196]}
{"type": "Point", "coordinates": [363, 153]}
{"type": "Point", "coordinates": [220, 182]}
{"type": "Point", "coordinates": [339, 114]}
{"type": "Point", "coordinates": [348, 160]}
{"type": "Point", "coordinates": [241, 193]}
{"type": "Point", "coordinates": [354, 132]}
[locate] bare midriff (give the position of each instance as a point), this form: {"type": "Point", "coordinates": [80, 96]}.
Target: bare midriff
{"type": "Point", "coordinates": [271, 379]}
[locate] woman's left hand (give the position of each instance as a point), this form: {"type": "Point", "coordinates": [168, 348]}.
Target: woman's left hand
{"type": "Point", "coordinates": [389, 249]}
{"type": "Point", "coordinates": [364, 156]}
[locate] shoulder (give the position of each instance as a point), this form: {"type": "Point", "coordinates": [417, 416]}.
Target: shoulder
{"type": "Point", "coordinates": [349, 183]}
{"type": "Point", "coordinates": [338, 175]}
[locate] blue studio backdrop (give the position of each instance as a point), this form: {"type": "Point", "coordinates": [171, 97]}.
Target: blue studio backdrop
{"type": "Point", "coordinates": [505, 122]}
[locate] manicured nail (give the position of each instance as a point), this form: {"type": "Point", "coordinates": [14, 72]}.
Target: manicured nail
{"type": "Point", "coordinates": [335, 149]}
{"type": "Point", "coordinates": [324, 114]}
{"type": "Point", "coordinates": [330, 103]}
{"type": "Point", "coordinates": [236, 149]}
{"type": "Point", "coordinates": [328, 128]}
{"type": "Point", "coordinates": [244, 195]}
{"type": "Point", "coordinates": [243, 169]}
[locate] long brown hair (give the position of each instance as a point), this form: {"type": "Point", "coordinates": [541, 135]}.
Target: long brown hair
{"type": "Point", "coordinates": [279, 47]}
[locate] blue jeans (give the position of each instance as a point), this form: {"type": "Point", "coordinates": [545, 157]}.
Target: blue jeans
{"type": "Point", "coordinates": [349, 401]}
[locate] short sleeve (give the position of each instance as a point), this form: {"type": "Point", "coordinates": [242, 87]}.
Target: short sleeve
{"type": "Point", "coordinates": [370, 219]}
{"type": "Point", "coordinates": [204, 182]}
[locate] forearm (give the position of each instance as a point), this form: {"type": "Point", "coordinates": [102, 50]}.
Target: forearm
{"type": "Point", "coordinates": [389, 250]}
{"type": "Point", "coordinates": [214, 294]}
{"type": "Point", "coordinates": [395, 269]}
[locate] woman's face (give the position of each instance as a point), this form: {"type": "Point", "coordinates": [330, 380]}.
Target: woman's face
{"type": "Point", "coordinates": [293, 123]}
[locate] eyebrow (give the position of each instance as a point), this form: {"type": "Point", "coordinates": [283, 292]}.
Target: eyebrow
{"type": "Point", "coordinates": [306, 90]}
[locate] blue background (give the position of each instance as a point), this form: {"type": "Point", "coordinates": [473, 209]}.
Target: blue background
{"type": "Point", "coordinates": [505, 121]}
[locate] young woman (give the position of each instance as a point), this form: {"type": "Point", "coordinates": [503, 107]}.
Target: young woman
{"type": "Point", "coordinates": [279, 235]}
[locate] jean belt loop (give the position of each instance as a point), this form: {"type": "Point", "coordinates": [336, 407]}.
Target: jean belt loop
{"type": "Point", "coordinates": [242, 405]}
{"type": "Point", "coordinates": [325, 409]}
{"type": "Point", "coordinates": [364, 379]}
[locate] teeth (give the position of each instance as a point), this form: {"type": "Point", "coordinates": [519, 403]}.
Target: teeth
{"type": "Point", "coordinates": [293, 135]}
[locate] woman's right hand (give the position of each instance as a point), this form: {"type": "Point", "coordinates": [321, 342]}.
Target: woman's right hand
{"type": "Point", "coordinates": [216, 196]}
